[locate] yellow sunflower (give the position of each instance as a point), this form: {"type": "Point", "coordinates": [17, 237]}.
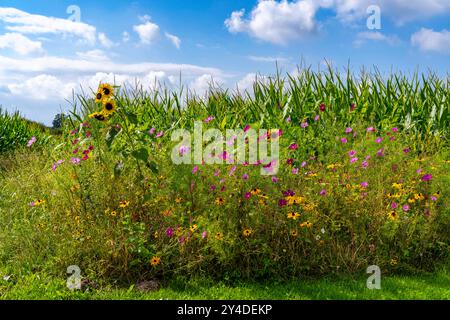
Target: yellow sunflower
{"type": "Point", "coordinates": [393, 215]}
{"type": "Point", "coordinates": [105, 91]}
{"type": "Point", "coordinates": [100, 116]}
{"type": "Point", "coordinates": [124, 204]}
{"type": "Point", "coordinates": [220, 201]}
{"type": "Point", "coordinates": [109, 107]}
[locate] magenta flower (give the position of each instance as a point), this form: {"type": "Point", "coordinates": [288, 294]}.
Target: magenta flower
{"type": "Point", "coordinates": [293, 146]}
{"type": "Point", "coordinates": [183, 150]}
{"type": "Point", "coordinates": [427, 177]}
{"type": "Point", "coordinates": [204, 234]}
{"type": "Point", "coordinates": [405, 207]}
{"type": "Point", "coordinates": [195, 170]}
{"type": "Point", "coordinates": [217, 173]}
{"type": "Point", "coordinates": [290, 161]}
{"type": "Point", "coordinates": [160, 134]}
{"type": "Point", "coordinates": [274, 179]}
{"type": "Point", "coordinates": [433, 198]}
{"type": "Point", "coordinates": [88, 134]}
{"type": "Point", "coordinates": [395, 129]}
{"type": "Point", "coordinates": [365, 164]}
{"type": "Point", "coordinates": [351, 153]}
{"type": "Point", "coordinates": [323, 192]}
{"type": "Point", "coordinates": [74, 131]}
{"type": "Point", "coordinates": [294, 170]}
{"type": "Point", "coordinates": [370, 129]}
{"type": "Point", "coordinates": [247, 127]}
{"type": "Point", "coordinates": [75, 161]}
{"type": "Point", "coordinates": [31, 142]}
{"type": "Point", "coordinates": [353, 160]}
{"type": "Point", "coordinates": [245, 177]}
{"type": "Point", "coordinates": [348, 130]}
{"type": "Point", "coordinates": [213, 188]}
{"type": "Point", "coordinates": [379, 140]}
{"type": "Point", "coordinates": [316, 118]}
{"type": "Point", "coordinates": [406, 150]}
{"type": "Point", "coordinates": [352, 107]}
{"type": "Point", "coordinates": [85, 158]}
{"type": "Point", "coordinates": [232, 171]}
{"type": "Point", "coordinates": [169, 232]}
{"type": "Point", "coordinates": [75, 151]}
{"type": "Point", "coordinates": [419, 170]}
{"type": "Point", "coordinates": [209, 119]}
{"type": "Point", "coordinates": [364, 184]}
{"type": "Point", "coordinates": [303, 164]}
{"type": "Point", "coordinates": [380, 153]}
{"type": "Point", "coordinates": [344, 140]}
{"type": "Point", "coordinates": [288, 119]}
{"type": "Point", "coordinates": [282, 202]}
{"type": "Point", "coordinates": [152, 131]}
{"type": "Point", "coordinates": [248, 195]}
{"type": "Point", "coordinates": [393, 205]}
{"type": "Point", "coordinates": [75, 141]}
{"type": "Point", "coordinates": [304, 125]}
{"type": "Point", "coordinates": [322, 108]}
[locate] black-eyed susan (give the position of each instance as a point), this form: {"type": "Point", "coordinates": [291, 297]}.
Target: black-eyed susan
{"type": "Point", "coordinates": [255, 191]}
{"type": "Point", "coordinates": [294, 233]}
{"type": "Point", "coordinates": [247, 232]}
{"type": "Point", "coordinates": [193, 227]}
{"type": "Point", "coordinates": [179, 200]}
{"type": "Point", "coordinates": [293, 215]}
{"type": "Point", "coordinates": [114, 213]}
{"type": "Point", "coordinates": [306, 224]}
{"type": "Point", "coordinates": [156, 235]}
{"type": "Point", "coordinates": [109, 107]}
{"type": "Point", "coordinates": [219, 236]}
{"type": "Point", "coordinates": [155, 261]}
{"type": "Point", "coordinates": [124, 204]}
{"type": "Point", "coordinates": [393, 215]}
{"type": "Point", "coordinates": [220, 201]}
{"type": "Point", "coordinates": [394, 261]}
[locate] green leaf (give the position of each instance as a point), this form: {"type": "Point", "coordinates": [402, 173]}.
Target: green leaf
{"type": "Point", "coordinates": [141, 154]}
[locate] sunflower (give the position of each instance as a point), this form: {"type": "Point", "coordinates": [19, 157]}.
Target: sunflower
{"type": "Point", "coordinates": [219, 236]}
{"type": "Point", "coordinates": [293, 215]}
{"type": "Point", "coordinates": [109, 106]}
{"type": "Point", "coordinates": [105, 90]}
{"type": "Point", "coordinates": [124, 204]}
{"type": "Point", "coordinates": [247, 233]}
{"type": "Point", "coordinates": [100, 116]}
{"type": "Point", "coordinates": [393, 215]}
{"type": "Point", "coordinates": [220, 201]}
{"type": "Point", "coordinates": [155, 261]}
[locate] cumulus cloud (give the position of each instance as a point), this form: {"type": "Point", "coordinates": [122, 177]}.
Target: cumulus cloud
{"type": "Point", "coordinates": [148, 31]}
{"type": "Point", "coordinates": [42, 87]}
{"type": "Point", "coordinates": [174, 39]}
{"type": "Point", "coordinates": [19, 43]}
{"type": "Point", "coordinates": [105, 41]}
{"type": "Point", "coordinates": [93, 55]}
{"type": "Point", "coordinates": [22, 22]}
{"type": "Point", "coordinates": [203, 83]}
{"type": "Point", "coordinates": [125, 36]}
{"type": "Point", "coordinates": [268, 59]}
{"type": "Point", "coordinates": [364, 37]}
{"type": "Point", "coordinates": [433, 41]}
{"type": "Point", "coordinates": [276, 22]}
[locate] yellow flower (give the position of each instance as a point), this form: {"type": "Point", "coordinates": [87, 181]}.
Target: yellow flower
{"type": "Point", "coordinates": [393, 215]}
{"type": "Point", "coordinates": [255, 192]}
{"type": "Point", "coordinates": [294, 233]}
{"type": "Point", "coordinates": [306, 224]}
{"type": "Point", "coordinates": [397, 186]}
{"type": "Point", "coordinates": [411, 200]}
{"type": "Point", "coordinates": [220, 201]}
{"type": "Point", "coordinates": [394, 261]}
{"type": "Point", "coordinates": [179, 200]}
{"type": "Point", "coordinates": [193, 227]}
{"type": "Point", "coordinates": [105, 91]}
{"type": "Point", "coordinates": [419, 196]}
{"type": "Point", "coordinates": [100, 116]}
{"type": "Point", "coordinates": [219, 236]}
{"type": "Point", "coordinates": [39, 202]}
{"type": "Point", "coordinates": [113, 213]}
{"type": "Point", "coordinates": [155, 261]}
{"type": "Point", "coordinates": [247, 233]}
{"type": "Point", "coordinates": [109, 107]}
{"type": "Point", "coordinates": [167, 213]}
{"type": "Point", "coordinates": [124, 204]}
{"type": "Point", "coordinates": [156, 234]}
{"type": "Point", "coordinates": [293, 215]}
{"type": "Point", "coordinates": [291, 200]}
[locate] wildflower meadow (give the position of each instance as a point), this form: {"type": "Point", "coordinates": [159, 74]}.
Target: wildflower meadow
{"type": "Point", "coordinates": [312, 175]}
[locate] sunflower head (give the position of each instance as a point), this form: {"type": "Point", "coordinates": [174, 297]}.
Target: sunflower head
{"type": "Point", "coordinates": [109, 106]}
{"type": "Point", "coordinates": [100, 116]}
{"type": "Point", "coordinates": [106, 90]}
{"type": "Point", "coordinates": [220, 201]}
{"type": "Point", "coordinates": [393, 215]}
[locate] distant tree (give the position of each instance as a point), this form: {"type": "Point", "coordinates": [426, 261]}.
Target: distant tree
{"type": "Point", "coordinates": [58, 121]}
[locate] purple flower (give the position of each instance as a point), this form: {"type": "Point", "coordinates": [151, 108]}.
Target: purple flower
{"type": "Point", "coordinates": [406, 207]}
{"type": "Point", "coordinates": [352, 107]}
{"type": "Point", "coordinates": [393, 205]}
{"type": "Point", "coordinates": [247, 127]}
{"type": "Point", "coordinates": [274, 179]}
{"type": "Point", "coordinates": [419, 170]}
{"type": "Point", "coordinates": [184, 150]}
{"type": "Point", "coordinates": [204, 234]}
{"type": "Point", "coordinates": [160, 134]}
{"type": "Point", "coordinates": [294, 170]}
{"type": "Point", "coordinates": [370, 129]}
{"type": "Point", "coordinates": [209, 119]}
{"type": "Point", "coordinates": [322, 107]}
{"type": "Point", "coordinates": [380, 153]}
{"type": "Point", "coordinates": [427, 177]}
{"type": "Point", "coordinates": [433, 198]}
{"type": "Point", "coordinates": [245, 177]}
{"type": "Point", "coordinates": [351, 153]}
{"type": "Point", "coordinates": [31, 142]}
{"type": "Point", "coordinates": [248, 195]}
{"type": "Point", "coordinates": [75, 161]}
{"type": "Point", "coordinates": [364, 184]}
{"type": "Point", "coordinates": [169, 232]}
{"type": "Point", "coordinates": [303, 164]}
{"type": "Point", "coordinates": [152, 131]}
{"type": "Point", "coordinates": [406, 150]}
{"type": "Point", "coordinates": [290, 161]}
{"type": "Point", "coordinates": [213, 188]}
{"type": "Point", "coordinates": [232, 171]}
{"type": "Point", "coordinates": [379, 140]}
{"type": "Point", "coordinates": [395, 129]}
{"type": "Point", "coordinates": [316, 118]}
{"type": "Point", "coordinates": [348, 130]}
{"type": "Point", "coordinates": [353, 160]}
{"type": "Point", "coordinates": [195, 170]}
{"type": "Point", "coordinates": [344, 140]}
{"type": "Point", "coordinates": [304, 125]}
{"type": "Point", "coordinates": [288, 119]}
{"type": "Point", "coordinates": [282, 202]}
{"type": "Point", "coordinates": [365, 164]}
{"type": "Point", "coordinates": [323, 192]}
{"type": "Point", "coordinates": [293, 146]}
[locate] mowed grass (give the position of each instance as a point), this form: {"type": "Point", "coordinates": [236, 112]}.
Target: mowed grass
{"type": "Point", "coordinates": [434, 286]}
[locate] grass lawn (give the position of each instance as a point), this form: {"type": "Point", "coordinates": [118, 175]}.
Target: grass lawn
{"type": "Point", "coordinates": [427, 286]}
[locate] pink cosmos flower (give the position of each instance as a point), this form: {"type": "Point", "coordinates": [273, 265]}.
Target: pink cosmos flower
{"type": "Point", "coordinates": [316, 118]}
{"type": "Point", "coordinates": [31, 142]}
{"type": "Point", "coordinates": [152, 131]}
{"type": "Point", "coordinates": [379, 140]}
{"type": "Point", "coordinates": [352, 107]}
{"type": "Point", "coordinates": [274, 179]}
{"type": "Point", "coordinates": [290, 161]}
{"type": "Point", "coordinates": [364, 184]}
{"type": "Point", "coordinates": [405, 207]}
{"type": "Point", "coordinates": [245, 177]}
{"type": "Point", "coordinates": [395, 129]}
{"type": "Point", "coordinates": [365, 164]}
{"type": "Point", "coordinates": [304, 125]}
{"type": "Point", "coordinates": [433, 198]}
{"type": "Point", "coordinates": [204, 234]}
{"type": "Point", "coordinates": [169, 232]}
{"type": "Point", "coordinates": [209, 119]}
{"type": "Point", "coordinates": [74, 131]}
{"type": "Point", "coordinates": [75, 161]}
{"type": "Point", "coordinates": [75, 141]}
{"type": "Point", "coordinates": [380, 153]}
{"type": "Point", "coordinates": [233, 169]}
{"type": "Point", "coordinates": [160, 134]}
{"type": "Point", "coordinates": [370, 129]}
{"type": "Point", "coordinates": [427, 177]}
{"type": "Point", "coordinates": [303, 164]}
{"type": "Point", "coordinates": [344, 140]}
{"type": "Point", "coordinates": [293, 146]}
{"type": "Point", "coordinates": [213, 188]}
{"type": "Point", "coordinates": [183, 150]}
{"type": "Point", "coordinates": [348, 130]}
{"type": "Point", "coordinates": [217, 173]}
{"type": "Point", "coordinates": [393, 205]}
{"type": "Point", "coordinates": [351, 153]}
{"type": "Point", "coordinates": [419, 170]}
{"type": "Point", "coordinates": [288, 119]}
{"type": "Point", "coordinates": [75, 151]}
{"type": "Point", "coordinates": [294, 170]}
{"type": "Point", "coordinates": [406, 150]}
{"type": "Point", "coordinates": [353, 160]}
{"type": "Point", "coordinates": [247, 127]}
{"type": "Point", "coordinates": [195, 170]}
{"type": "Point", "coordinates": [323, 192]}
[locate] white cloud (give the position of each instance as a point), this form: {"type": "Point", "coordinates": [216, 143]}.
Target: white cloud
{"type": "Point", "coordinates": [363, 37]}
{"type": "Point", "coordinates": [125, 36]}
{"type": "Point", "coordinates": [174, 39]}
{"type": "Point", "coordinates": [276, 22]}
{"type": "Point", "coordinates": [93, 55]}
{"type": "Point", "coordinates": [430, 40]}
{"type": "Point", "coordinates": [105, 41]}
{"type": "Point", "coordinates": [247, 82]}
{"type": "Point", "coordinates": [203, 83]}
{"type": "Point", "coordinates": [268, 59]}
{"type": "Point", "coordinates": [19, 43]}
{"type": "Point", "coordinates": [399, 11]}
{"type": "Point", "coordinates": [42, 87]}
{"type": "Point", "coordinates": [148, 32]}
{"type": "Point", "coordinates": [26, 23]}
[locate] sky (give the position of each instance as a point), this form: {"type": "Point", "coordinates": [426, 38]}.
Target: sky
{"type": "Point", "coordinates": [50, 49]}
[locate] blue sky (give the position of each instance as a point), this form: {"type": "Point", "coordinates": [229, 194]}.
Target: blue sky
{"type": "Point", "coordinates": [44, 55]}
